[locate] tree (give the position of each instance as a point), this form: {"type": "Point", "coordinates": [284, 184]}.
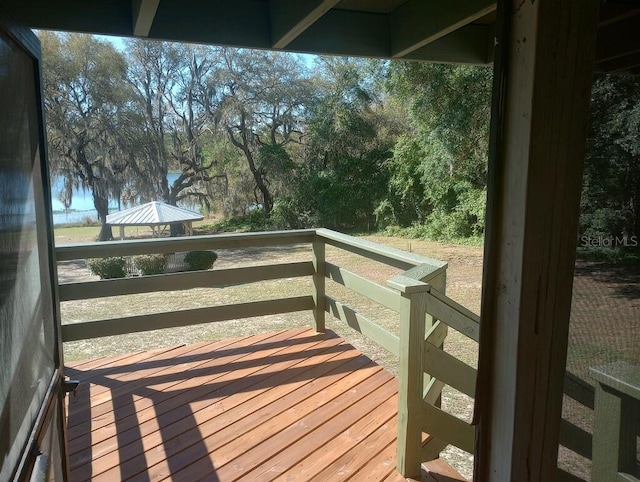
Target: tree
{"type": "Point", "coordinates": [610, 203]}
{"type": "Point", "coordinates": [152, 69]}
{"type": "Point", "coordinates": [173, 104]}
{"type": "Point", "coordinates": [262, 96]}
{"type": "Point", "coordinates": [86, 97]}
{"type": "Point", "coordinates": [438, 170]}
{"type": "Point", "coordinates": [348, 139]}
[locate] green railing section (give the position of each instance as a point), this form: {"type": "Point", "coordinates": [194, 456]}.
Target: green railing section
{"type": "Point", "coordinates": [183, 281]}
{"type": "Point", "coordinates": [616, 424]}
{"type": "Point", "coordinates": [425, 368]}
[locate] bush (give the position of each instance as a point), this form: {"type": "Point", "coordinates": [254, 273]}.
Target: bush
{"type": "Point", "coordinates": [198, 260]}
{"type": "Point", "coordinates": [108, 268]}
{"type": "Point", "coordinates": [150, 263]}
{"type": "Point", "coordinates": [286, 214]}
{"type": "Point", "coordinates": [254, 221]}
{"type": "Point", "coordinates": [89, 221]}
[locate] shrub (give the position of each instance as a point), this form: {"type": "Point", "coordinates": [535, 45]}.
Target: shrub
{"type": "Point", "coordinates": [254, 221]}
{"type": "Point", "coordinates": [198, 260]}
{"type": "Point", "coordinates": [287, 214]}
{"type": "Point", "coordinates": [108, 268]}
{"type": "Point", "coordinates": [89, 221]}
{"type": "Point", "coordinates": [150, 263]}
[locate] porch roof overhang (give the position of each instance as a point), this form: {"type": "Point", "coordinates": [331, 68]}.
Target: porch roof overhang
{"type": "Point", "coordinates": [449, 31]}
{"type": "Point", "coordinates": [453, 31]}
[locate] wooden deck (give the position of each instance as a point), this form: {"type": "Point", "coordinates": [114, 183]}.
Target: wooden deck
{"type": "Point", "coordinates": [293, 405]}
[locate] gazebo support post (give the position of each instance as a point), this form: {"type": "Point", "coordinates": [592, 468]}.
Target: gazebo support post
{"type": "Point", "coordinates": [121, 231]}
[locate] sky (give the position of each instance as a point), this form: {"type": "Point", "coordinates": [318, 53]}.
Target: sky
{"type": "Point", "coordinates": [119, 43]}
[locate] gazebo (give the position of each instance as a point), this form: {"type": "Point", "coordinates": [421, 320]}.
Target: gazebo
{"type": "Point", "coordinates": [157, 215]}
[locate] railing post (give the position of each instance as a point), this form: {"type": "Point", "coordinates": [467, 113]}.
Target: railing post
{"type": "Point", "coordinates": [617, 408]}
{"type": "Point", "coordinates": [411, 373]}
{"type": "Point", "coordinates": [318, 259]}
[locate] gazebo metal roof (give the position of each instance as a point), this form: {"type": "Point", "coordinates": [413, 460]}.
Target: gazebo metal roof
{"type": "Point", "coordinates": [154, 213]}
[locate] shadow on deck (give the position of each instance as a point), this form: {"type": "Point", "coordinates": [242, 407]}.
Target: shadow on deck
{"type": "Point", "coordinates": [293, 405]}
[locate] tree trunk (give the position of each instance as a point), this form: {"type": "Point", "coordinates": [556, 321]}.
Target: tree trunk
{"type": "Point", "coordinates": [245, 133]}
{"type": "Point", "coordinates": [177, 229]}
{"type": "Point", "coordinates": [172, 194]}
{"type": "Point", "coordinates": [101, 204]}
{"type": "Point", "coordinates": [267, 200]}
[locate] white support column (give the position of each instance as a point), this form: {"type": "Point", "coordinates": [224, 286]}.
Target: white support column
{"type": "Point", "coordinates": [544, 62]}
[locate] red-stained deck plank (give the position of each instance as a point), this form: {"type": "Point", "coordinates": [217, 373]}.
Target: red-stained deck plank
{"type": "Point", "coordinates": [294, 405]}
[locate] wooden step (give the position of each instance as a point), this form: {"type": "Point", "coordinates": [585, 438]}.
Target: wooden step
{"type": "Point", "coordinates": [434, 471]}
{"type": "Point", "coordinates": [439, 471]}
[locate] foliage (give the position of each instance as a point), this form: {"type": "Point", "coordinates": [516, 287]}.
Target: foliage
{"type": "Point", "coordinates": [200, 260]}
{"type": "Point", "coordinates": [174, 123]}
{"type": "Point", "coordinates": [261, 98]}
{"type": "Point", "coordinates": [253, 221]}
{"type": "Point", "coordinates": [351, 144]}
{"type": "Point", "coordinates": [346, 196]}
{"type": "Point", "coordinates": [610, 203]}
{"type": "Point", "coordinates": [85, 102]}
{"type": "Point", "coordinates": [350, 136]}
{"type": "Point", "coordinates": [286, 214]}
{"type": "Point", "coordinates": [108, 268]}
{"type": "Point", "coordinates": [438, 170]}
{"type": "Point", "coordinates": [421, 231]}
{"type": "Point", "coordinates": [612, 255]}
{"type": "Point", "coordinates": [149, 264]}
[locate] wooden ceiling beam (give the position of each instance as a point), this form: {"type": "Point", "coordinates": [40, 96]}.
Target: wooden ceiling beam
{"type": "Point", "coordinates": [615, 12]}
{"type": "Point", "coordinates": [471, 45]}
{"type": "Point", "coordinates": [343, 32]}
{"type": "Point", "coordinates": [618, 40]}
{"type": "Point", "coordinates": [620, 64]}
{"type": "Point", "coordinates": [418, 23]}
{"type": "Point", "coordinates": [289, 18]}
{"type": "Point", "coordinates": [144, 12]}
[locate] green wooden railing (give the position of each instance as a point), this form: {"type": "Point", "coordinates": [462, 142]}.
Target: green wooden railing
{"type": "Point", "coordinates": [424, 313]}
{"type": "Point", "coordinates": [421, 285]}
{"type": "Point", "coordinates": [182, 281]}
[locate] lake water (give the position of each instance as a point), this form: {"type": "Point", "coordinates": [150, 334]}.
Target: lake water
{"type": "Point", "coordinates": [81, 204]}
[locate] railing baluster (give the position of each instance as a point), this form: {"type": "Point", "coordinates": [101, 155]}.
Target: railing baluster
{"type": "Point", "coordinates": [319, 269]}
{"type": "Point", "coordinates": [438, 282]}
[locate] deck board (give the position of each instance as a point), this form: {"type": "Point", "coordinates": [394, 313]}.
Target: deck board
{"type": "Point", "coordinates": [292, 405]}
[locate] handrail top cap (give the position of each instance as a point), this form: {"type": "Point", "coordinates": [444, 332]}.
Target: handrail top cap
{"type": "Point", "coordinates": [620, 376]}
{"type": "Point", "coordinates": [407, 285]}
